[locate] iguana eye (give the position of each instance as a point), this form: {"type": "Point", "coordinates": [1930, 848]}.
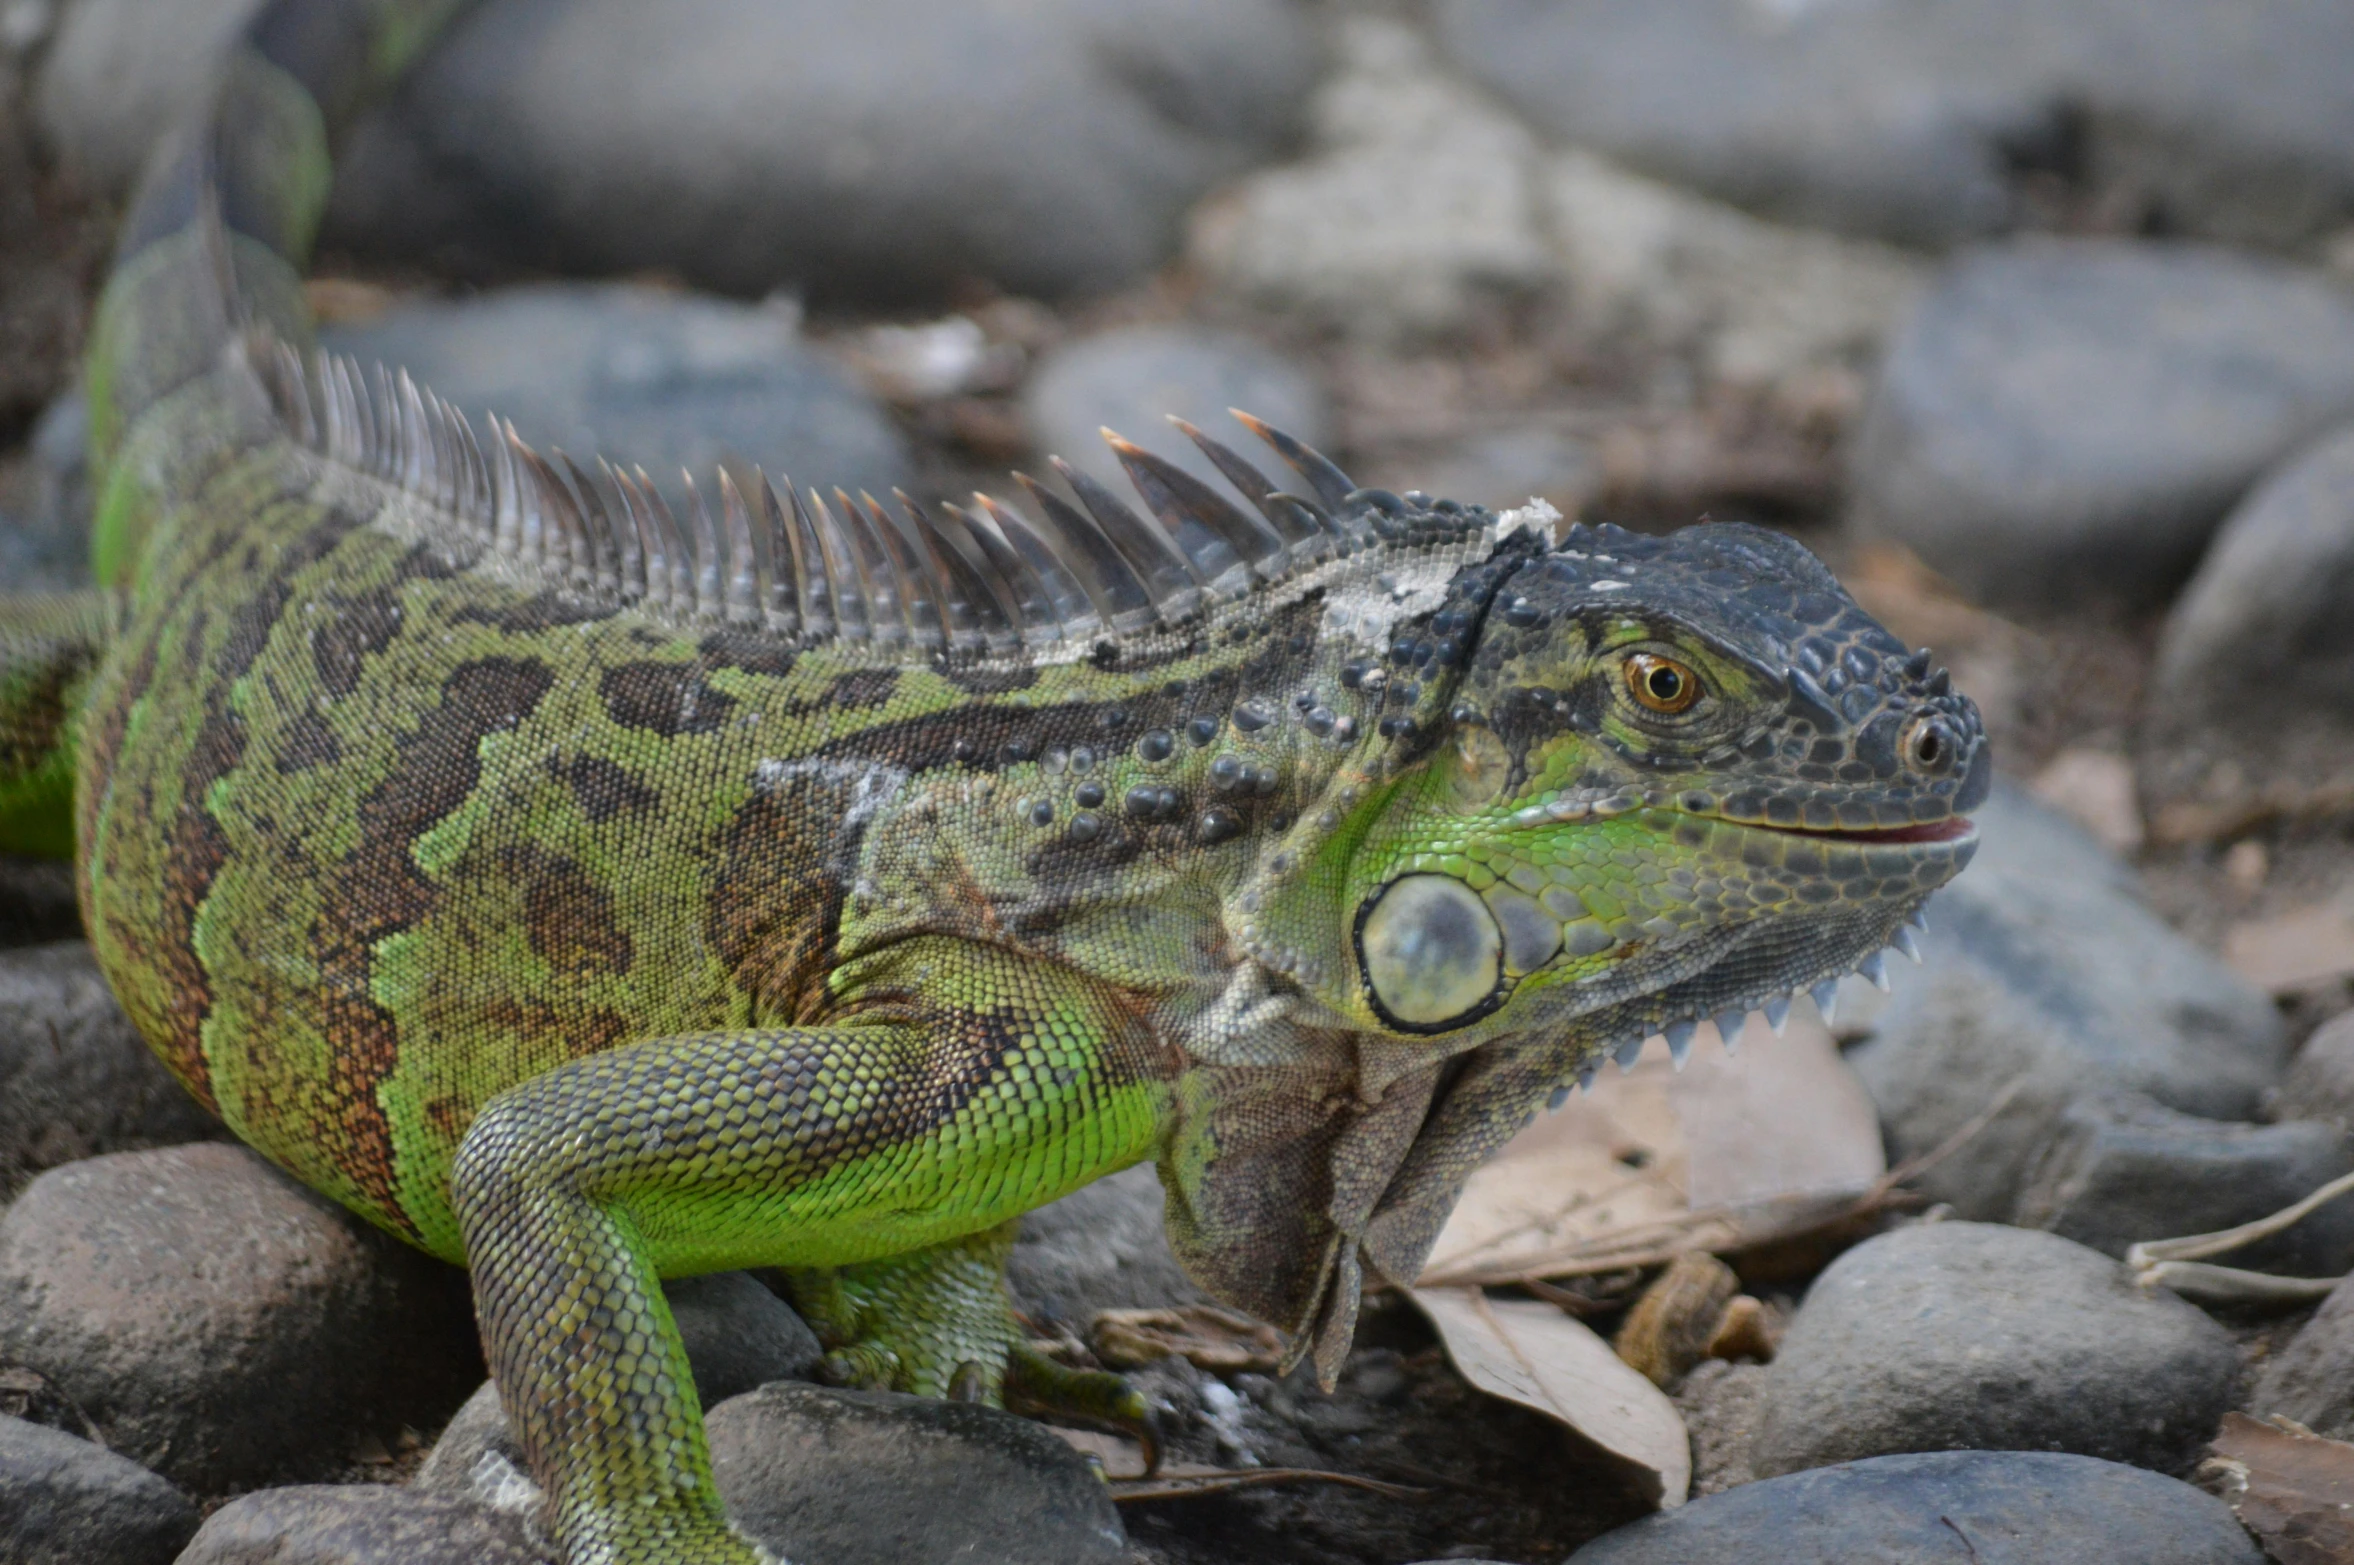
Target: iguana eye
{"type": "Point", "coordinates": [1661, 684]}
{"type": "Point", "coordinates": [1431, 951]}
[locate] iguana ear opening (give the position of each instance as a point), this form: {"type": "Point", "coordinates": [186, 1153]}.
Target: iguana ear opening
{"type": "Point", "coordinates": [1431, 952]}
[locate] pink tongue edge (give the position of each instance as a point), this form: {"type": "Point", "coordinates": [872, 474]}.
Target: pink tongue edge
{"type": "Point", "coordinates": [1952, 828]}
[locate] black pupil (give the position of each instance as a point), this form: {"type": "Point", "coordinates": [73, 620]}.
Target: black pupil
{"type": "Point", "coordinates": [1666, 684]}
{"type": "Point", "coordinates": [1929, 746]}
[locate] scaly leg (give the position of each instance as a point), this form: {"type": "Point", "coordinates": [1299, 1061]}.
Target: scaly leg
{"type": "Point", "coordinates": [50, 644]}
{"type": "Point", "coordinates": [974, 1085]}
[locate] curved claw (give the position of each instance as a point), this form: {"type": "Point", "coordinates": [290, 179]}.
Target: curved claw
{"type": "Point", "coordinates": [1097, 1399]}
{"type": "Point", "coordinates": [860, 1366]}
{"type": "Point", "coordinates": [970, 1383]}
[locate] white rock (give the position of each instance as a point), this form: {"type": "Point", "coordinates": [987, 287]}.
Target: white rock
{"type": "Point", "coordinates": [1416, 209]}
{"type": "Point", "coordinates": [1754, 302]}
{"type": "Point", "coordinates": [1422, 204]}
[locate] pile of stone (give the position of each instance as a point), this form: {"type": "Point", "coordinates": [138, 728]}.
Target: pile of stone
{"type": "Point", "coordinates": [2068, 283]}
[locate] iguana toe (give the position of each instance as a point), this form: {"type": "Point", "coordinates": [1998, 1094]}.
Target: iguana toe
{"type": "Point", "coordinates": [1038, 1387]}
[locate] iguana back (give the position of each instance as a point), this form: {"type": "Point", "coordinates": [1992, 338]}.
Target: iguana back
{"type": "Point", "coordinates": [418, 769]}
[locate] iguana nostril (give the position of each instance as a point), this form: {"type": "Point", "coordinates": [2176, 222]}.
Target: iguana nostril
{"type": "Point", "coordinates": [1930, 746]}
{"type": "Point", "coordinates": [1431, 949]}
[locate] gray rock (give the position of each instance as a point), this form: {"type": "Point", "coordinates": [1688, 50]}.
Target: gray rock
{"type": "Point", "coordinates": [1945, 1508]}
{"type": "Point", "coordinates": [2121, 1169]}
{"type": "Point", "coordinates": [2251, 704]}
{"type": "Point", "coordinates": [643, 376]}
{"type": "Point", "coordinates": [36, 901]}
{"type": "Point", "coordinates": [874, 1478]}
{"type": "Point", "coordinates": [65, 1501]}
{"type": "Point", "coordinates": [45, 546]}
{"type": "Point", "coordinates": [118, 73]}
{"type": "Point", "coordinates": [1927, 123]}
{"type": "Point", "coordinates": [891, 151]}
{"type": "Point", "coordinates": [739, 1336]}
{"type": "Point", "coordinates": [2045, 969]}
{"type": "Point", "coordinates": [363, 1524]}
{"type": "Point", "coordinates": [76, 1079]}
{"type": "Point", "coordinates": [1132, 378]}
{"type": "Point", "coordinates": [455, 1465]}
{"type": "Point", "coordinates": [2069, 420]}
{"type": "Point", "coordinates": [2320, 1080]}
{"type": "Point", "coordinates": [1653, 268]}
{"type": "Point", "coordinates": [220, 1323]}
{"type": "Point", "coordinates": [1975, 1336]}
{"type": "Point", "coordinates": [2312, 1379]}
{"type": "Point", "coordinates": [1101, 1248]}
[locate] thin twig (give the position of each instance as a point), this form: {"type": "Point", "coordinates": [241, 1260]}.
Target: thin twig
{"type": "Point", "coordinates": [2198, 1247]}
{"type": "Point", "coordinates": [1186, 1486]}
{"type": "Point", "coordinates": [2205, 1284]}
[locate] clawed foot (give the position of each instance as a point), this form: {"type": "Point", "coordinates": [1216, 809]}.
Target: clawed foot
{"type": "Point", "coordinates": [1038, 1387]}
{"type": "Point", "coordinates": [938, 1323]}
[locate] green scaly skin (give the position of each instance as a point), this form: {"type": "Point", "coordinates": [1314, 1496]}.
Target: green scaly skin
{"type": "Point", "coordinates": [586, 939]}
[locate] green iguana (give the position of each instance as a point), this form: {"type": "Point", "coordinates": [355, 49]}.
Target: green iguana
{"type": "Point", "coordinates": [592, 891]}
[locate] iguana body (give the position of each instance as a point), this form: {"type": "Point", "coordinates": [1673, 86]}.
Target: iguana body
{"type": "Point", "coordinates": [591, 897]}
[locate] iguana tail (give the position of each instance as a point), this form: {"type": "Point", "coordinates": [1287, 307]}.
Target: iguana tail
{"type": "Point", "coordinates": [215, 246]}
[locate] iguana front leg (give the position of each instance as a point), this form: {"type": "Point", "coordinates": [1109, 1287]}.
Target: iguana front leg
{"type": "Point", "coordinates": [969, 1085]}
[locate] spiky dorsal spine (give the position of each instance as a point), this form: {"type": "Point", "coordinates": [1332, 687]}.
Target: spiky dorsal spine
{"type": "Point", "coordinates": [989, 581]}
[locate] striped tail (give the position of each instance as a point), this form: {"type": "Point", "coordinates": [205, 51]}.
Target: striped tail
{"type": "Point", "coordinates": [216, 243]}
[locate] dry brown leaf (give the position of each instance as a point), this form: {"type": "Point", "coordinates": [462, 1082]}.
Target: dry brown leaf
{"type": "Point", "coordinates": [1532, 1353]}
{"type": "Point", "coordinates": [1642, 1166]}
{"type": "Point", "coordinates": [347, 300]}
{"type": "Point", "coordinates": [2291, 1488]}
{"type": "Point", "coordinates": [1748, 1329]}
{"type": "Point", "coordinates": [1783, 1120]}
{"type": "Point", "coordinates": [1669, 1329]}
{"type": "Point", "coordinates": [2296, 950]}
{"type": "Point", "coordinates": [1208, 1337]}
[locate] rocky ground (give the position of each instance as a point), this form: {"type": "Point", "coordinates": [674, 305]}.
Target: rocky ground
{"type": "Point", "coordinates": [2035, 317]}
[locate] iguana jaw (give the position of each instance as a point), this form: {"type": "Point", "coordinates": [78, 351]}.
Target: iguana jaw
{"type": "Point", "coordinates": [1525, 931]}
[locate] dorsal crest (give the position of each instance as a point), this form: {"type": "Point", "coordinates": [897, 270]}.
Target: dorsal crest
{"type": "Point", "coordinates": [963, 583]}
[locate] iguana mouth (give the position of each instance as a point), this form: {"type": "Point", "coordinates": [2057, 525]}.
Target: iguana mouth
{"type": "Point", "coordinates": [1952, 829]}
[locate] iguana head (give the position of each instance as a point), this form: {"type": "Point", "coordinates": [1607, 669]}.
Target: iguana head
{"type": "Point", "coordinates": [1612, 786]}
{"type": "Point", "coordinates": [1674, 777]}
